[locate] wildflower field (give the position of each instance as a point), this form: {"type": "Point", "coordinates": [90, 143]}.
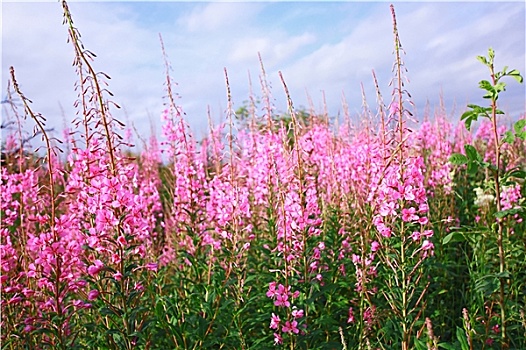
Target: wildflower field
{"type": "Point", "coordinates": [275, 231]}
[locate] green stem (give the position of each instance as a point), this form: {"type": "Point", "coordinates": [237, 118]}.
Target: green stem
{"type": "Point", "coordinates": [405, 340]}
{"type": "Point", "coordinates": [502, 262]}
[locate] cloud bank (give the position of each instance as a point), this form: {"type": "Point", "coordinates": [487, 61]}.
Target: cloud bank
{"type": "Point", "coordinates": [330, 48]}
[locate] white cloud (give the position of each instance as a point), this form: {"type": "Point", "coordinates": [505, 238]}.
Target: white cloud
{"type": "Point", "coordinates": [275, 47]}
{"type": "Point", "coordinates": [219, 16]}
{"type": "Point", "coordinates": [441, 46]}
{"type": "Point", "coordinates": [343, 65]}
{"type": "Point", "coordinates": [38, 50]}
{"type": "Point", "coordinates": [42, 58]}
{"type": "Point", "coordinates": [442, 50]}
{"type": "Point", "coordinates": [441, 40]}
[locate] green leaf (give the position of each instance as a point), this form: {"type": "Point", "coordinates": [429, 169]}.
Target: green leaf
{"type": "Point", "coordinates": [468, 114]}
{"type": "Point", "coordinates": [113, 331]}
{"type": "Point", "coordinates": [105, 311]}
{"type": "Point", "coordinates": [477, 111]}
{"type": "Point", "coordinates": [516, 75]}
{"type": "Point", "coordinates": [487, 285]}
{"type": "Point", "coordinates": [491, 54]}
{"type": "Point", "coordinates": [43, 330]}
{"type": "Point", "coordinates": [503, 274]}
{"type": "Point", "coordinates": [519, 127]}
{"type": "Point", "coordinates": [458, 159]}
{"type": "Point", "coordinates": [490, 166]}
{"type": "Point", "coordinates": [513, 211]}
{"type": "Point", "coordinates": [486, 85]}
{"type": "Point", "coordinates": [472, 106]}
{"type": "Point", "coordinates": [472, 154]}
{"type": "Point", "coordinates": [453, 237]}
{"type": "Point", "coordinates": [518, 173]}
{"type": "Point", "coordinates": [473, 167]}
{"type": "Point", "coordinates": [483, 60]}
{"type": "Point", "coordinates": [508, 137]}
{"type": "Point", "coordinates": [420, 345]}
{"type": "Point", "coordinates": [461, 337]}
{"type": "Point", "coordinates": [470, 117]}
{"type": "Point", "coordinates": [501, 86]}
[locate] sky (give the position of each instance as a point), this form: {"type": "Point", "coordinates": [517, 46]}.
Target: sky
{"type": "Point", "coordinates": [322, 49]}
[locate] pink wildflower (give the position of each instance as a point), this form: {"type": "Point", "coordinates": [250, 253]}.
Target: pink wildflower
{"type": "Point", "coordinates": [138, 286]}
{"type": "Point", "coordinates": [495, 328]}
{"type": "Point", "coordinates": [152, 267]}
{"type": "Point", "coordinates": [117, 275]}
{"type": "Point", "coordinates": [278, 339]}
{"type": "Point", "coordinates": [116, 259]}
{"type": "Point", "coordinates": [93, 294]}
{"type": "Point", "coordinates": [282, 300]}
{"type": "Point", "coordinates": [409, 214]}
{"type": "Point", "coordinates": [122, 241]}
{"type": "Point", "coordinates": [415, 236]}
{"type": "Point", "coordinates": [95, 268]}
{"type": "Point", "coordinates": [428, 233]}
{"type": "Point", "coordinates": [427, 245]}
{"type": "Point", "coordinates": [423, 220]}
{"type": "Point", "coordinates": [271, 290]}
{"type": "Point", "coordinates": [290, 327]}
{"type": "Point", "coordinates": [274, 321]}
{"type": "Point", "coordinates": [297, 313]}
{"type": "Point", "coordinates": [351, 316]}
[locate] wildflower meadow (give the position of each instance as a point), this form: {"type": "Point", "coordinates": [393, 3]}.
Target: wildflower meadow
{"type": "Point", "coordinates": [277, 230]}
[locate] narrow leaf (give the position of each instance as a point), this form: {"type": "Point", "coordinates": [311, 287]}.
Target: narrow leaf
{"type": "Point", "coordinates": [518, 173]}
{"type": "Point", "coordinates": [461, 337]}
{"type": "Point", "coordinates": [503, 274]}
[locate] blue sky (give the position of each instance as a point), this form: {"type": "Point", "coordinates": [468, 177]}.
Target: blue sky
{"type": "Point", "coordinates": [318, 46]}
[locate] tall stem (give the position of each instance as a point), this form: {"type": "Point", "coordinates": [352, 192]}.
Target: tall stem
{"type": "Point", "coordinates": [57, 288]}
{"type": "Point", "coordinates": [81, 55]}
{"type": "Point", "coordinates": [401, 143]}
{"type": "Point", "coordinates": [405, 339]}
{"type": "Point", "coordinates": [502, 262]}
